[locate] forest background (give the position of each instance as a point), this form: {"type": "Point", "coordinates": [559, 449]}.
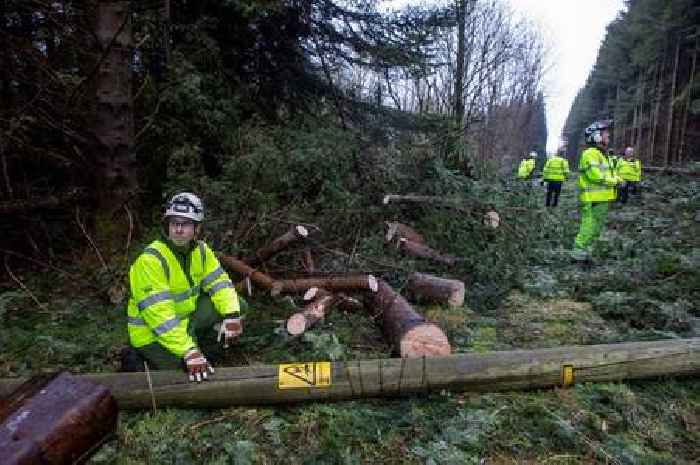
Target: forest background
{"type": "Point", "coordinates": [309, 112]}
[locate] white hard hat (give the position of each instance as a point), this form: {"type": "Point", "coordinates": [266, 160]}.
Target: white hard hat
{"type": "Point", "coordinates": [533, 154]}
{"type": "Point", "coordinates": [185, 205]}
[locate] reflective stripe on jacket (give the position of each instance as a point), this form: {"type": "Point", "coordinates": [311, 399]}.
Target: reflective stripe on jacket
{"type": "Point", "coordinates": [556, 169]}
{"type": "Point", "coordinates": [163, 295]}
{"type": "Point", "coordinates": [596, 179]}
{"type": "Point", "coordinates": [526, 168]}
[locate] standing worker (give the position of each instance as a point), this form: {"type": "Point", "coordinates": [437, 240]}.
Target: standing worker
{"type": "Point", "coordinates": [596, 184]}
{"type": "Point", "coordinates": [630, 171]}
{"type": "Point", "coordinates": [527, 167]}
{"type": "Point", "coordinates": [555, 172]}
{"type": "Point", "coordinates": [178, 293]}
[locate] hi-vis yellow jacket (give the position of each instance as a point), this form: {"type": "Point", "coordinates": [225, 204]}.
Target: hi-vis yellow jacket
{"type": "Point", "coordinates": [163, 294]}
{"type": "Point", "coordinates": [630, 170]}
{"type": "Point", "coordinates": [556, 169]}
{"type": "Point", "coordinates": [526, 168]}
{"type": "Point", "coordinates": [596, 179]}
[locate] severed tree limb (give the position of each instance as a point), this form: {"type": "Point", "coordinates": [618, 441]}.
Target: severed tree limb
{"type": "Point", "coordinates": [358, 282]}
{"type": "Point", "coordinates": [416, 249]}
{"type": "Point", "coordinates": [344, 302]}
{"type": "Point", "coordinates": [408, 331]}
{"type": "Point", "coordinates": [296, 233]}
{"type": "Point", "coordinates": [259, 278]}
{"type": "Point", "coordinates": [434, 288]}
{"type": "Point", "coordinates": [310, 315]}
{"type": "Point", "coordinates": [400, 230]}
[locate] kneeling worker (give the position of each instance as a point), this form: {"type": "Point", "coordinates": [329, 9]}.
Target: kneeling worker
{"type": "Point", "coordinates": [555, 172]}
{"type": "Point", "coordinates": [178, 293]}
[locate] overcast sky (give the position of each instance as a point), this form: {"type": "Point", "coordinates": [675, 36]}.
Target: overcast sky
{"type": "Point", "coordinates": [573, 29]}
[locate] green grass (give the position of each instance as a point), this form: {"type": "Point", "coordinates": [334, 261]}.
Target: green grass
{"type": "Point", "coordinates": [523, 292]}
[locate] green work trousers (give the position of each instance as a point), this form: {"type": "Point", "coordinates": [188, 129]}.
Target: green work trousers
{"type": "Point", "coordinates": [593, 217]}
{"type": "Point", "coordinates": [201, 328]}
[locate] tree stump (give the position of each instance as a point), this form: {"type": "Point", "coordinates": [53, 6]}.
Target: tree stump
{"type": "Point", "coordinates": [436, 289]}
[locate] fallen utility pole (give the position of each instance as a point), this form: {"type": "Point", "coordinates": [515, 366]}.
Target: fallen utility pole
{"type": "Point", "coordinates": [325, 381]}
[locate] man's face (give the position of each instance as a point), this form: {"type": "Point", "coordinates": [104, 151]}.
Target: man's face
{"type": "Point", "coordinates": [605, 136]}
{"type": "Point", "coordinates": [181, 230]}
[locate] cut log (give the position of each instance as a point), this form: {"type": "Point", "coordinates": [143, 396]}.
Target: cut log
{"type": "Point", "coordinates": [259, 278]}
{"type": "Point", "coordinates": [436, 289]}
{"type": "Point", "coordinates": [285, 240]}
{"type": "Point", "coordinates": [400, 230]}
{"type": "Point", "coordinates": [492, 219]}
{"type": "Point", "coordinates": [338, 283]}
{"type": "Point", "coordinates": [423, 251]}
{"type": "Point", "coordinates": [488, 372]}
{"type": "Point", "coordinates": [343, 302]}
{"type": "Point", "coordinates": [311, 314]}
{"type": "Point", "coordinates": [405, 329]}
{"type": "Point", "coordinates": [60, 419]}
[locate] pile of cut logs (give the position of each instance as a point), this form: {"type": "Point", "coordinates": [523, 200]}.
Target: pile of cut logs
{"type": "Point", "coordinates": [404, 328]}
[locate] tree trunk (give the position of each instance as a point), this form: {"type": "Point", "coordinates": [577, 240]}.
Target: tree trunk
{"type": "Point", "coordinates": [114, 123]}
{"type": "Point", "coordinates": [259, 278]}
{"type": "Point", "coordinates": [688, 98]}
{"type": "Point", "coordinates": [669, 121]}
{"type": "Point", "coordinates": [310, 315]}
{"type": "Point", "coordinates": [408, 331]}
{"type": "Point", "coordinates": [57, 420]}
{"type": "Point", "coordinates": [294, 234]}
{"type": "Point", "coordinates": [458, 104]}
{"type": "Point", "coordinates": [423, 251]}
{"type": "Point", "coordinates": [489, 372]}
{"type": "Point", "coordinates": [436, 289]}
{"type": "Point", "coordinates": [337, 283]}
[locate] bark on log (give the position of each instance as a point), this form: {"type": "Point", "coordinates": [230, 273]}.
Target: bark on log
{"type": "Point", "coordinates": [423, 251]}
{"type": "Point", "coordinates": [343, 302]}
{"type": "Point", "coordinates": [61, 419]}
{"type": "Point", "coordinates": [285, 240]}
{"type": "Point", "coordinates": [341, 283]}
{"type": "Point", "coordinates": [259, 278]}
{"type": "Point", "coordinates": [492, 219]}
{"type": "Point", "coordinates": [489, 372]}
{"type": "Point", "coordinates": [400, 230]}
{"type": "Point", "coordinates": [408, 331]}
{"type": "Point", "coordinates": [436, 289]}
{"type": "Point", "coordinates": [311, 314]}
{"type": "Point", "coordinates": [456, 204]}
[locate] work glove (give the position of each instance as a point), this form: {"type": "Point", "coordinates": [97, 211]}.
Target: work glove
{"type": "Point", "coordinates": [230, 329]}
{"type": "Point", "coordinates": [197, 365]}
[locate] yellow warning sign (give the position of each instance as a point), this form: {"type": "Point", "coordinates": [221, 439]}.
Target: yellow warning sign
{"type": "Point", "coordinates": [567, 375]}
{"type": "Point", "coordinates": [304, 375]}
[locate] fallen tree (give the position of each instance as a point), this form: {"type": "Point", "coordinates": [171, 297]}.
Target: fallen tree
{"type": "Point", "coordinates": [401, 231]}
{"type": "Point", "coordinates": [419, 250]}
{"type": "Point", "coordinates": [407, 330]}
{"type": "Point", "coordinates": [495, 371]}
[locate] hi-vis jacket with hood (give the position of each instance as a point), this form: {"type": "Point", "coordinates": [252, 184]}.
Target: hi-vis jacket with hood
{"type": "Point", "coordinates": [596, 179]}
{"type": "Point", "coordinates": [165, 285]}
{"type": "Point", "coordinates": [556, 169]}
{"type": "Point", "coordinates": [526, 168]}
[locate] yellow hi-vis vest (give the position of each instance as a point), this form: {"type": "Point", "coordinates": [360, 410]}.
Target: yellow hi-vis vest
{"type": "Point", "coordinates": [163, 295]}
{"type": "Point", "coordinates": [526, 168]}
{"type": "Point", "coordinates": [630, 170]}
{"type": "Point", "coordinates": [556, 169]}
{"type": "Point", "coordinates": [596, 179]}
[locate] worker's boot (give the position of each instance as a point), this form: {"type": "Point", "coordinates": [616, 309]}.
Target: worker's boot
{"type": "Point", "coordinates": [131, 360]}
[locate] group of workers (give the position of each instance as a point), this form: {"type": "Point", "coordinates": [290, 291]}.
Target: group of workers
{"type": "Point", "coordinates": [603, 178]}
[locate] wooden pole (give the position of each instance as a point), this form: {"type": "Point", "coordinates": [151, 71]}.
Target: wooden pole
{"type": "Point", "coordinates": [495, 371]}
